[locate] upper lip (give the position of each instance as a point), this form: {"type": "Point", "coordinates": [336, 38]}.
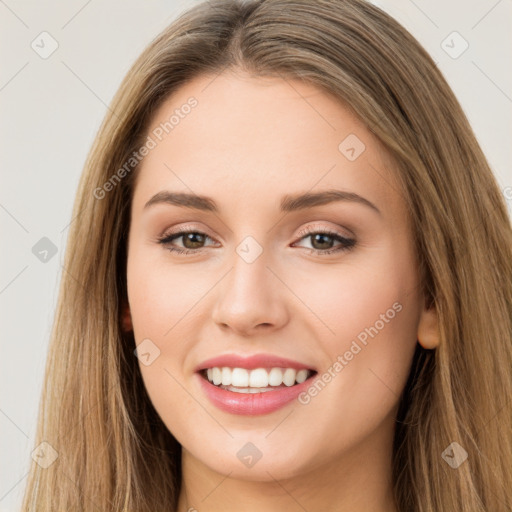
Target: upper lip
{"type": "Point", "coordinates": [251, 362]}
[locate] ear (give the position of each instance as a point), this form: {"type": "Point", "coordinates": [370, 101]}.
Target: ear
{"type": "Point", "coordinates": [428, 328]}
{"type": "Point", "coordinates": [126, 317]}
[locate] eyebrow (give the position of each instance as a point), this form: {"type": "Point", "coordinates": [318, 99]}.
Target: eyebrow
{"type": "Point", "coordinates": [289, 203]}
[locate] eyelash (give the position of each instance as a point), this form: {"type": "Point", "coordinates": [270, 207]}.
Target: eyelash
{"type": "Point", "coordinates": [347, 243]}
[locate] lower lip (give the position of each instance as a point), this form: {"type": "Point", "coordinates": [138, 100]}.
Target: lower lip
{"type": "Point", "coordinates": [251, 404]}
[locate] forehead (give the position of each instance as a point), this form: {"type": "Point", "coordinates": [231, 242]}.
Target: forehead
{"type": "Point", "coordinates": [249, 138]}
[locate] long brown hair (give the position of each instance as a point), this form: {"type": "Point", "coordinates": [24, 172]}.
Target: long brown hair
{"type": "Point", "coordinates": [114, 452]}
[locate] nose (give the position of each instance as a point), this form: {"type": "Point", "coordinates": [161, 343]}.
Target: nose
{"type": "Point", "coordinates": [251, 299]}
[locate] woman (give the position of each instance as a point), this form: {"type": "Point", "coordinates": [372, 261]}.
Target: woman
{"type": "Point", "coordinates": [204, 358]}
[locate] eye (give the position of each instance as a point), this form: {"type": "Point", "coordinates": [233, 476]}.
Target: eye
{"type": "Point", "coordinates": [191, 240]}
{"type": "Point", "coordinates": [322, 241]}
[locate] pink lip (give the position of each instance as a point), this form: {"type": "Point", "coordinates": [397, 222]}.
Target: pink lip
{"type": "Point", "coordinates": [251, 403]}
{"type": "Point", "coordinates": [254, 403]}
{"type": "Point", "coordinates": [251, 362]}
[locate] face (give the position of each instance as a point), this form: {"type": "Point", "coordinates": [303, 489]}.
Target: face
{"type": "Point", "coordinates": [322, 287]}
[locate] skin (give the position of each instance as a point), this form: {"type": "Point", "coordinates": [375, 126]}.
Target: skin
{"type": "Point", "coordinates": [249, 142]}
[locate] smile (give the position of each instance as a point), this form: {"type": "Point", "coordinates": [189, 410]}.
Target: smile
{"type": "Point", "coordinates": [254, 385]}
{"type": "Point", "coordinates": [258, 380]}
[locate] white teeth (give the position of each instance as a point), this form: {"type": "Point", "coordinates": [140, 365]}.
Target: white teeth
{"type": "Point", "coordinates": [239, 377]}
{"type": "Point", "coordinates": [289, 377]}
{"type": "Point", "coordinates": [216, 376]}
{"type": "Point", "coordinates": [242, 380]}
{"type": "Point", "coordinates": [258, 378]}
{"type": "Point", "coordinates": [302, 375]}
{"type": "Point", "coordinates": [226, 376]}
{"type": "Point", "coordinates": [275, 377]}
{"type": "Point", "coordinates": [246, 390]}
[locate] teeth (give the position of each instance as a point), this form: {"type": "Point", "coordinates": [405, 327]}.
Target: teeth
{"type": "Point", "coordinates": [275, 377]}
{"type": "Point", "coordinates": [246, 380]}
{"type": "Point", "coordinates": [302, 375]}
{"type": "Point", "coordinates": [258, 378]}
{"type": "Point", "coordinates": [289, 377]}
{"type": "Point", "coordinates": [226, 376]}
{"type": "Point", "coordinates": [216, 376]}
{"type": "Point", "coordinates": [239, 377]}
{"type": "Point", "coordinates": [247, 390]}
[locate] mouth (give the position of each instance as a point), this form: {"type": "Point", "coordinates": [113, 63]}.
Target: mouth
{"type": "Point", "coordinates": [257, 380]}
{"type": "Point", "coordinates": [256, 390]}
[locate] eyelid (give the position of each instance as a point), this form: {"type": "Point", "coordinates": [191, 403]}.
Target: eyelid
{"type": "Point", "coordinates": [347, 243]}
{"type": "Point", "coordinates": [311, 229]}
{"type": "Point", "coordinates": [308, 230]}
{"type": "Point", "coordinates": [185, 229]}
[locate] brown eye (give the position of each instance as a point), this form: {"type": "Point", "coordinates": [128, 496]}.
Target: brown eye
{"type": "Point", "coordinates": [322, 241]}
{"type": "Point", "coordinates": [193, 241]}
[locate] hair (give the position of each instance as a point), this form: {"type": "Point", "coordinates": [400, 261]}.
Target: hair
{"type": "Point", "coordinates": [114, 451]}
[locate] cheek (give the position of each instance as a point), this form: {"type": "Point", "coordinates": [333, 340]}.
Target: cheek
{"type": "Point", "coordinates": [369, 309]}
{"type": "Point", "coordinates": [160, 296]}
{"type": "Point", "coordinates": [372, 297]}
{"type": "Point", "coordinates": [164, 303]}
{"type": "Point", "coordinates": [372, 312]}
{"type": "Point", "coordinates": [369, 361]}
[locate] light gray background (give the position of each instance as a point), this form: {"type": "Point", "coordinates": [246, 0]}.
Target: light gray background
{"type": "Point", "coordinates": [51, 110]}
